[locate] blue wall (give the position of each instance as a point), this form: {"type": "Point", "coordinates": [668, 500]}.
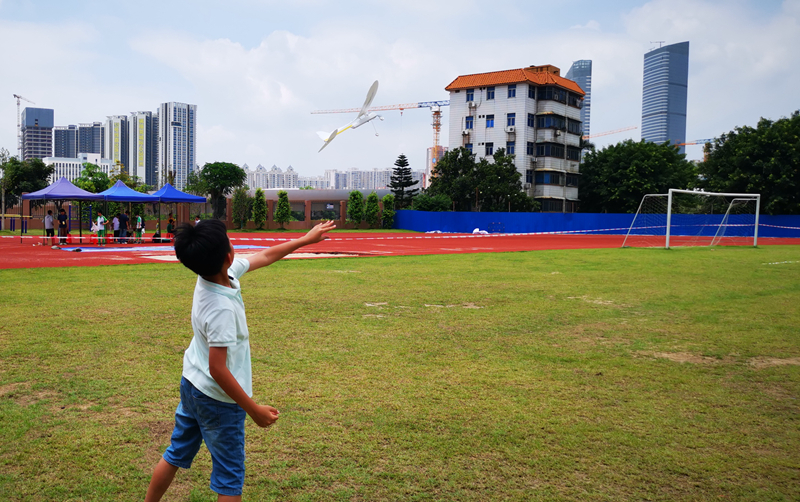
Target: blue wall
{"type": "Point", "coordinates": [595, 223]}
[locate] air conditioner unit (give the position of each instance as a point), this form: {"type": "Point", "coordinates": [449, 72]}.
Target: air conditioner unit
{"type": "Point", "coordinates": [533, 162]}
{"type": "Point", "coordinates": [526, 186]}
{"type": "Point", "coordinates": [465, 132]}
{"type": "Point", "coordinates": [510, 129]}
{"type": "Point", "coordinates": [471, 104]}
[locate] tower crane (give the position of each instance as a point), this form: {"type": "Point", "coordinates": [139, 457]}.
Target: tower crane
{"type": "Point", "coordinates": [436, 113]}
{"type": "Point", "coordinates": [19, 124]}
{"type": "Point", "coordinates": [606, 133]}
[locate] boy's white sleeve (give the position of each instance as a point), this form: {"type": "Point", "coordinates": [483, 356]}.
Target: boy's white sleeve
{"type": "Point", "coordinates": [221, 328]}
{"type": "Point", "coordinates": [238, 267]}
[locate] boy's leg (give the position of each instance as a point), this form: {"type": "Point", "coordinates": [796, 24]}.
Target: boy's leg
{"type": "Point", "coordinates": [163, 475]}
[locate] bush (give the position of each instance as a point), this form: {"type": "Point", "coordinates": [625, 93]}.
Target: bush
{"type": "Point", "coordinates": [283, 213]}
{"type": "Point", "coordinates": [372, 210]}
{"type": "Point", "coordinates": [259, 209]}
{"type": "Point", "coordinates": [355, 208]}
{"type": "Point", "coordinates": [438, 202]}
{"type": "Point", "coordinates": [387, 220]}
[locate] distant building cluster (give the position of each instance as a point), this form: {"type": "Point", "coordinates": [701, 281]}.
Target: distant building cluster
{"type": "Point", "coordinates": [533, 113]}
{"type": "Point", "coordinates": [156, 146]}
{"type": "Point", "coordinates": [351, 179]}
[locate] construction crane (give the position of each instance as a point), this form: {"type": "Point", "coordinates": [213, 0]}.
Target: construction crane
{"type": "Point", "coordinates": [436, 113]}
{"type": "Point", "coordinates": [606, 133]}
{"type": "Point", "coordinates": [19, 124]}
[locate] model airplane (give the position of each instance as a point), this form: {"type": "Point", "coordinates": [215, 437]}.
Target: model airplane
{"type": "Point", "coordinates": [362, 118]}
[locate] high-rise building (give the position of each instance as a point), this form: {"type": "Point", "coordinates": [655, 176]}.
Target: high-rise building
{"type": "Point", "coordinates": [533, 113]}
{"type": "Point", "coordinates": [177, 133]}
{"type": "Point", "coordinates": [91, 138]}
{"type": "Point", "coordinates": [65, 141]}
{"type": "Point", "coordinates": [143, 144]}
{"type": "Point", "coordinates": [116, 147]}
{"type": "Point", "coordinates": [37, 133]}
{"type": "Point", "coordinates": [581, 73]}
{"type": "Point", "coordinates": [666, 76]}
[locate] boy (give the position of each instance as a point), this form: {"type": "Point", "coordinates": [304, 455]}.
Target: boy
{"type": "Point", "coordinates": [216, 384]}
{"type": "Point", "coordinates": [62, 226]}
{"type": "Point", "coordinates": [138, 229]}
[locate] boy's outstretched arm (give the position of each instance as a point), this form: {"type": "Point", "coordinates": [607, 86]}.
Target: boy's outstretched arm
{"type": "Point", "coordinates": [275, 253]}
{"type": "Point", "coordinates": [262, 415]}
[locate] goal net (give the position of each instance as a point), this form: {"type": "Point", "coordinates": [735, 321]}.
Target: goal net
{"type": "Point", "coordinates": [688, 218]}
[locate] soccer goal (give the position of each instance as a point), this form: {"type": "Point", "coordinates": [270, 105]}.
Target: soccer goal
{"type": "Point", "coordinates": [689, 218]}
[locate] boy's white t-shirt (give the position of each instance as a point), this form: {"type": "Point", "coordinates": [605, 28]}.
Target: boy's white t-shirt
{"type": "Point", "coordinates": [218, 320]}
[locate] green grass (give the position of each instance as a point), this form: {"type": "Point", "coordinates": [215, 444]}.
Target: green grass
{"type": "Point", "coordinates": [549, 375]}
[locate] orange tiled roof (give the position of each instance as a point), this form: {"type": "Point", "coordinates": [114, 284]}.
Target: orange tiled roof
{"type": "Point", "coordinates": [518, 76]}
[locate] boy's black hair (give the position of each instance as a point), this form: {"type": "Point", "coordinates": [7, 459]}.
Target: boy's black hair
{"type": "Point", "coordinates": [49, 211]}
{"type": "Point", "coordinates": [202, 248]}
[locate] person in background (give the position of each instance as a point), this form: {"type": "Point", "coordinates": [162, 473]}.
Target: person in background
{"type": "Point", "coordinates": [170, 226]}
{"type": "Point", "coordinates": [123, 227]}
{"type": "Point", "coordinates": [48, 225]}
{"type": "Point", "coordinates": [115, 224]}
{"type": "Point", "coordinates": [196, 220]}
{"type": "Point", "coordinates": [62, 226]}
{"type": "Point", "coordinates": [101, 229]}
{"type": "Point", "coordinates": [138, 228]}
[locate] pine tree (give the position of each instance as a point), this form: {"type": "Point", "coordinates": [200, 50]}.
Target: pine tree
{"type": "Point", "coordinates": [283, 213]}
{"type": "Point", "coordinates": [401, 182]}
{"type": "Point", "coordinates": [372, 210]}
{"type": "Point", "coordinates": [259, 209]}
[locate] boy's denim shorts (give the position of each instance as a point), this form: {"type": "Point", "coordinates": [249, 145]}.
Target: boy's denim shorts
{"type": "Point", "coordinates": [221, 425]}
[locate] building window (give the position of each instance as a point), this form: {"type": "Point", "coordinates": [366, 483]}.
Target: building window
{"type": "Point", "coordinates": [510, 147]}
{"type": "Point", "coordinates": [468, 146]}
{"type": "Point", "coordinates": [574, 126]}
{"type": "Point", "coordinates": [531, 120]}
{"type": "Point", "coordinates": [531, 149]}
{"type": "Point", "coordinates": [511, 119]}
{"type": "Point", "coordinates": [531, 91]}
{"type": "Point", "coordinates": [552, 205]}
{"type": "Point", "coordinates": [470, 94]}
{"type": "Point", "coordinates": [489, 149]}
{"type": "Point", "coordinates": [550, 150]}
{"type": "Point", "coordinates": [490, 93]}
{"type": "Point", "coordinates": [551, 122]}
{"type": "Point", "coordinates": [572, 180]}
{"type": "Point", "coordinates": [489, 121]}
{"type": "Point", "coordinates": [549, 179]}
{"type": "Point", "coordinates": [468, 122]}
{"type": "Point", "coordinates": [512, 90]}
{"type": "Point", "coordinates": [529, 175]}
{"type": "Point", "coordinates": [573, 153]}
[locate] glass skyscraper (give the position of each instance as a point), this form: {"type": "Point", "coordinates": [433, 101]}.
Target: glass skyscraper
{"type": "Point", "coordinates": [177, 131]}
{"type": "Point", "coordinates": [666, 75]}
{"type": "Point", "coordinates": [37, 133]}
{"type": "Point", "coordinates": [581, 73]}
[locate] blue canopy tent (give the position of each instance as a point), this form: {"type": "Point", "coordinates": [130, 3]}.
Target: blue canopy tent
{"type": "Point", "coordinates": [63, 189]}
{"type": "Point", "coordinates": [169, 194]}
{"type": "Point", "coordinates": [120, 192]}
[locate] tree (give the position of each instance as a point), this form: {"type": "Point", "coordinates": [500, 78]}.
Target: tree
{"type": "Point", "coordinates": [387, 218]}
{"type": "Point", "coordinates": [427, 202]}
{"type": "Point", "coordinates": [355, 208]}
{"type": "Point", "coordinates": [4, 158]}
{"type": "Point", "coordinates": [479, 186]}
{"type": "Point", "coordinates": [764, 160]}
{"type": "Point", "coordinates": [242, 204]}
{"type": "Point", "coordinates": [454, 176]}
{"type": "Point", "coordinates": [401, 183]}
{"type": "Point", "coordinates": [195, 185]}
{"type": "Point", "coordinates": [92, 179]}
{"type": "Point", "coordinates": [259, 209]}
{"type": "Point", "coordinates": [220, 179]}
{"type": "Point", "coordinates": [372, 210]}
{"type": "Point", "coordinates": [614, 179]}
{"type": "Point", "coordinates": [21, 177]}
{"type": "Point", "coordinates": [283, 213]}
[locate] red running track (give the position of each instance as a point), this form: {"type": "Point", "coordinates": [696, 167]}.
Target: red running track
{"type": "Point", "coordinates": [31, 254]}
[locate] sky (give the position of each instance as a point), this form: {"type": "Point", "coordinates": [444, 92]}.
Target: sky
{"type": "Point", "coordinates": [257, 68]}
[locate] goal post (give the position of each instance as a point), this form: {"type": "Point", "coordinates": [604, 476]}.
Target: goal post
{"type": "Point", "coordinates": [692, 218]}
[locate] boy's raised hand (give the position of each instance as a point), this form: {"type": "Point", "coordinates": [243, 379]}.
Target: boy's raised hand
{"type": "Point", "coordinates": [317, 234]}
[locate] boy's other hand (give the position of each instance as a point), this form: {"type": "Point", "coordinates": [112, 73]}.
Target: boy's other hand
{"type": "Point", "coordinates": [264, 415]}
{"type": "Point", "coordinates": [317, 234]}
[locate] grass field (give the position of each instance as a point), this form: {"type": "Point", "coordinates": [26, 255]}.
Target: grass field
{"type": "Point", "coordinates": [619, 374]}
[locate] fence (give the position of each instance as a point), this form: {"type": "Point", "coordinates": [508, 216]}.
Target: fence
{"type": "Point", "coordinates": [594, 223]}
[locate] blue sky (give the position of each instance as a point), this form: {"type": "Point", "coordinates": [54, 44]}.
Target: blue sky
{"type": "Point", "coordinates": [255, 69]}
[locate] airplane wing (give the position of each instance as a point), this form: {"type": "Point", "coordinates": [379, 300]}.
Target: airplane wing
{"type": "Point", "coordinates": [370, 96]}
{"type": "Point", "coordinates": [328, 140]}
